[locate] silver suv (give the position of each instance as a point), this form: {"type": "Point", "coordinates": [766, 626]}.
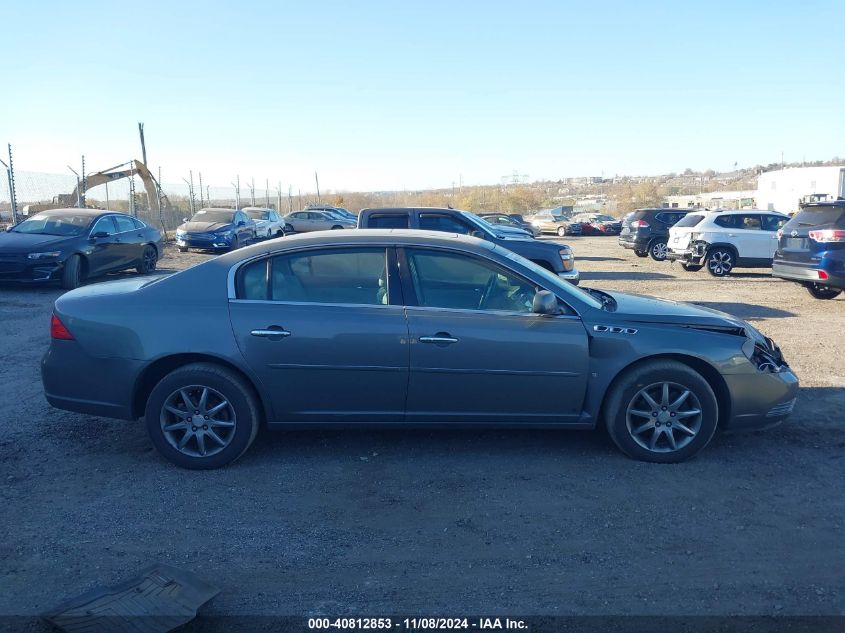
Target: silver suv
{"type": "Point", "coordinates": [313, 220]}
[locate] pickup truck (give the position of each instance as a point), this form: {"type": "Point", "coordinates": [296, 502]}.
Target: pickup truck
{"type": "Point", "coordinates": [554, 257]}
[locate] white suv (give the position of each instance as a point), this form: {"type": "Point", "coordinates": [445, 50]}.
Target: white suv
{"type": "Point", "coordinates": [724, 240]}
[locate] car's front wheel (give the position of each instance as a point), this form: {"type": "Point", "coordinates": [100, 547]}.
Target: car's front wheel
{"type": "Point", "coordinates": [561, 231]}
{"type": "Point", "coordinates": [820, 291]}
{"type": "Point", "coordinates": [640, 253]}
{"type": "Point", "coordinates": [149, 259]}
{"type": "Point", "coordinates": [72, 273]}
{"type": "Point", "coordinates": [661, 411]}
{"type": "Point", "coordinates": [202, 416]}
{"type": "Point", "coordinates": [720, 262]}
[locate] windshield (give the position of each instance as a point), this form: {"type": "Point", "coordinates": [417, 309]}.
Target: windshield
{"type": "Point", "coordinates": [62, 224]}
{"type": "Point", "coordinates": [689, 220]}
{"type": "Point", "coordinates": [565, 288]}
{"type": "Point", "coordinates": [258, 214]}
{"type": "Point", "coordinates": [815, 216]}
{"type": "Point", "coordinates": [213, 215]}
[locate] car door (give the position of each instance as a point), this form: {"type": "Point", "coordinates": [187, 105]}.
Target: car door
{"type": "Point", "coordinates": [754, 242]}
{"type": "Point", "coordinates": [478, 353]}
{"type": "Point", "coordinates": [319, 329]}
{"type": "Point", "coordinates": [128, 242]}
{"type": "Point", "coordinates": [104, 252]}
{"type": "Point", "coordinates": [771, 225]}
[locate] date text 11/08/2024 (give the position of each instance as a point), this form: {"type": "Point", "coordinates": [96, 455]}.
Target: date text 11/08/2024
{"type": "Point", "coordinates": [417, 624]}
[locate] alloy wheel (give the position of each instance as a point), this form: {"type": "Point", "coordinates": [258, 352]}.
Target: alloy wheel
{"type": "Point", "coordinates": [149, 259]}
{"type": "Point", "coordinates": [664, 417]}
{"type": "Point", "coordinates": [720, 262]}
{"type": "Point", "coordinates": [659, 250]}
{"type": "Point", "coordinates": [198, 421]}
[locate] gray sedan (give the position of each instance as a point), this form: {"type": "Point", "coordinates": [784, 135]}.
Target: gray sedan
{"type": "Point", "coordinates": [405, 328]}
{"type": "Point", "coordinates": [304, 221]}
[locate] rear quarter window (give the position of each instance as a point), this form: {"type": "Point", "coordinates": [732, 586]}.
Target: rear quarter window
{"type": "Point", "coordinates": [693, 219]}
{"type": "Point", "coordinates": [388, 222]}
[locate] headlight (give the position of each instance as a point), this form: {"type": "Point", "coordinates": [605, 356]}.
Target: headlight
{"type": "Point", "coordinates": [565, 254]}
{"type": "Point", "coordinates": [180, 233]}
{"type": "Point", "coordinates": [762, 352]}
{"type": "Point", "coordinates": [44, 255]}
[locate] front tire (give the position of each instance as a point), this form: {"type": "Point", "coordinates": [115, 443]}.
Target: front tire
{"type": "Point", "coordinates": [657, 249]}
{"type": "Point", "coordinates": [149, 259]}
{"type": "Point", "coordinates": [720, 262]}
{"type": "Point", "coordinates": [202, 416]}
{"type": "Point", "coordinates": [72, 273]}
{"type": "Point", "coordinates": [236, 244]}
{"type": "Point", "coordinates": [561, 231]}
{"type": "Point", "coordinates": [820, 291]}
{"type": "Point", "coordinates": [661, 411]}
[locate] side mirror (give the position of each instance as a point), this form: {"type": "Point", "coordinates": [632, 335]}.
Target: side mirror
{"type": "Point", "coordinates": [99, 234]}
{"type": "Point", "coordinates": [185, 220]}
{"type": "Point", "coordinates": [241, 223]}
{"type": "Point", "coordinates": [479, 234]}
{"type": "Point", "coordinates": [545, 303]}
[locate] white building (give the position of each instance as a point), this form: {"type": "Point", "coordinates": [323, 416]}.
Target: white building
{"type": "Point", "coordinates": [713, 200]}
{"type": "Point", "coordinates": [784, 189]}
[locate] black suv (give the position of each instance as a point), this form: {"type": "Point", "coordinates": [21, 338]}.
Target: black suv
{"type": "Point", "coordinates": [646, 231]}
{"type": "Point", "coordinates": [811, 249]}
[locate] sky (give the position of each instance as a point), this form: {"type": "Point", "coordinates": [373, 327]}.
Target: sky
{"type": "Point", "coordinates": [409, 95]}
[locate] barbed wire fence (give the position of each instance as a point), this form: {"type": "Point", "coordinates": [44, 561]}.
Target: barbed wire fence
{"type": "Point", "coordinates": [38, 191]}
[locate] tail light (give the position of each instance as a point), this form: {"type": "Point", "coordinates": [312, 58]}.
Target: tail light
{"type": "Point", "coordinates": [823, 275]}
{"type": "Point", "coordinates": [58, 330]}
{"type": "Point", "coordinates": [828, 235]}
{"type": "Point", "coordinates": [640, 224]}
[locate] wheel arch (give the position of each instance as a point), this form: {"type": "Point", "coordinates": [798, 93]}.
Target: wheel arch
{"type": "Point", "coordinates": [158, 369]}
{"type": "Point", "coordinates": [707, 371]}
{"type": "Point", "coordinates": [725, 245]}
{"type": "Point", "coordinates": [542, 263]}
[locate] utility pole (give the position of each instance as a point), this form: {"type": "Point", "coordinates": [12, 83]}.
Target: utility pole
{"type": "Point", "coordinates": [290, 198]}
{"type": "Point", "coordinates": [191, 175]}
{"type": "Point", "coordinates": [267, 191]}
{"type": "Point", "coordinates": [279, 201]}
{"type": "Point", "coordinates": [10, 176]}
{"type": "Point", "coordinates": [317, 180]}
{"type": "Point", "coordinates": [132, 210]}
{"type": "Point", "coordinates": [237, 186]}
{"type": "Point", "coordinates": [143, 145]}
{"type": "Point", "coordinates": [252, 191]}
{"type": "Point", "coordinates": [300, 198]}
{"type": "Point", "coordinates": [202, 204]}
{"type": "Point", "coordinates": [190, 194]}
{"type": "Point", "coordinates": [208, 195]}
{"type": "Point", "coordinates": [84, 183]}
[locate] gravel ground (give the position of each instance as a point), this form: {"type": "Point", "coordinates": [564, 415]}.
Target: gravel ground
{"type": "Point", "coordinates": [444, 522]}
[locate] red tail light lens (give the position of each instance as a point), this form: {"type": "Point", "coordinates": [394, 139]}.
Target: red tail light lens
{"type": "Point", "coordinates": [58, 330]}
{"type": "Point", "coordinates": [639, 224]}
{"type": "Point", "coordinates": [828, 235]}
{"type": "Point", "coordinates": [823, 275]}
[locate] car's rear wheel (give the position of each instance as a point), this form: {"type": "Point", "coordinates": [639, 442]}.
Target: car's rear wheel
{"type": "Point", "coordinates": [279, 233]}
{"type": "Point", "coordinates": [720, 262]}
{"type": "Point", "coordinates": [561, 231]}
{"type": "Point", "coordinates": [149, 259]}
{"type": "Point", "coordinates": [661, 411]}
{"type": "Point", "coordinates": [336, 227]}
{"type": "Point", "coordinates": [72, 272]}
{"type": "Point", "coordinates": [657, 249]}
{"type": "Point", "coordinates": [202, 416]}
{"type": "Point", "coordinates": [820, 291]}
{"type": "Point", "coordinates": [640, 253]}
{"type": "Point", "coordinates": [692, 268]}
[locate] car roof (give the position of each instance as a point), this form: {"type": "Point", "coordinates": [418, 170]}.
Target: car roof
{"type": "Point", "coordinates": [361, 237]}
{"type": "Point", "coordinates": [737, 211]}
{"type": "Point", "coordinates": [257, 209]}
{"type": "Point", "coordinates": [76, 211]}
{"type": "Point", "coordinates": [839, 202]}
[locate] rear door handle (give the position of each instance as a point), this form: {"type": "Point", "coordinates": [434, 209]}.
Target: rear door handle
{"type": "Point", "coordinates": [440, 339]}
{"type": "Point", "coordinates": [271, 333]}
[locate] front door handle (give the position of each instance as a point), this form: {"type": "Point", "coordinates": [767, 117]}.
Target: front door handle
{"type": "Point", "coordinates": [271, 333]}
{"type": "Point", "coordinates": [441, 338]}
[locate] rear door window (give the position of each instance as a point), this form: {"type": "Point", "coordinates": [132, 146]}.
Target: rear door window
{"type": "Point", "coordinates": [446, 223]}
{"type": "Point", "coordinates": [385, 221]}
{"type": "Point", "coordinates": [124, 224]}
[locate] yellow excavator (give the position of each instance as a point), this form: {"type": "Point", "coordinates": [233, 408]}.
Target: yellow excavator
{"type": "Point", "coordinates": [157, 199]}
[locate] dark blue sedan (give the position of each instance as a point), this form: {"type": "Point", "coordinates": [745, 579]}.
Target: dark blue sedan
{"type": "Point", "coordinates": [216, 229]}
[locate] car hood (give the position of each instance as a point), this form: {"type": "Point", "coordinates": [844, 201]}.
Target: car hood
{"type": "Point", "coordinates": [643, 309]}
{"type": "Point", "coordinates": [203, 227]}
{"type": "Point", "coordinates": [11, 242]}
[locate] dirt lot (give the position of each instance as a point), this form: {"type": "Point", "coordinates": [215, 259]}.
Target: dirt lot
{"type": "Point", "coordinates": [444, 522]}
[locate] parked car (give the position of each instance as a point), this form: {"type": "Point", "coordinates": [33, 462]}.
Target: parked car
{"type": "Point", "coordinates": [556, 258]}
{"type": "Point", "coordinates": [724, 240]}
{"type": "Point", "coordinates": [268, 222]}
{"type": "Point", "coordinates": [304, 221]}
{"type": "Point", "coordinates": [216, 229]}
{"type": "Point", "coordinates": [75, 245]}
{"type": "Point", "coordinates": [408, 328]}
{"type": "Point", "coordinates": [555, 221]}
{"type": "Point", "coordinates": [510, 221]}
{"type": "Point", "coordinates": [597, 224]}
{"type": "Point", "coordinates": [344, 213]}
{"type": "Point", "coordinates": [646, 231]}
{"type": "Point", "coordinates": [811, 249]}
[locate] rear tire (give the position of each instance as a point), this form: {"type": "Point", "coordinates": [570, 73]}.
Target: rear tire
{"type": "Point", "coordinates": [683, 414]}
{"type": "Point", "coordinates": [640, 253]}
{"type": "Point", "coordinates": [692, 268]}
{"type": "Point", "coordinates": [169, 420]}
{"type": "Point", "coordinates": [561, 231]}
{"type": "Point", "coordinates": [72, 273]}
{"type": "Point", "coordinates": [149, 259]}
{"type": "Point", "coordinates": [720, 261]}
{"type": "Point", "coordinates": [657, 249]}
{"type": "Point", "coordinates": [820, 291]}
